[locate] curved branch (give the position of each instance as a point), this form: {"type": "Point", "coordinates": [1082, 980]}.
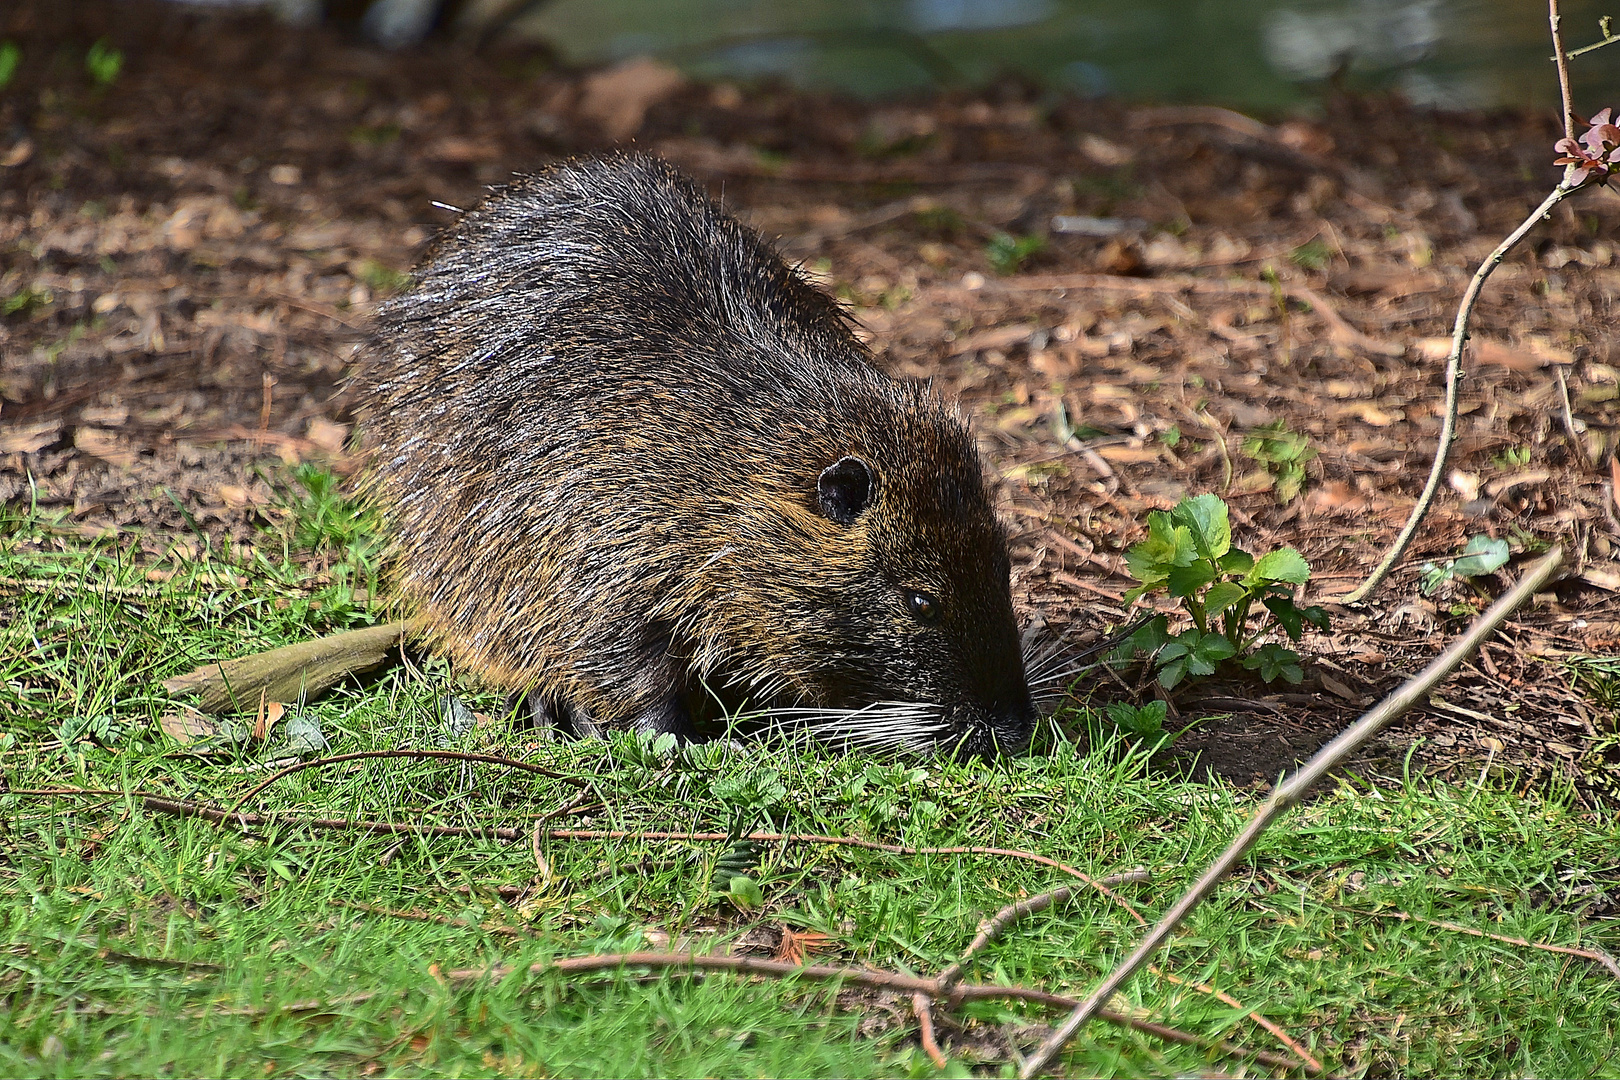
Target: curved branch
{"type": "Point", "coordinates": [1448, 424]}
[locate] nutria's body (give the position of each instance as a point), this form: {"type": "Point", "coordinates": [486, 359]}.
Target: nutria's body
{"type": "Point", "coordinates": [634, 463]}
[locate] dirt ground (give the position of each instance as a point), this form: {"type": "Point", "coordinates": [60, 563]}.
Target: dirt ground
{"type": "Point", "coordinates": [189, 254]}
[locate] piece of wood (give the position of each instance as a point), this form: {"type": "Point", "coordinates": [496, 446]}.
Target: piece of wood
{"type": "Point", "coordinates": [291, 673]}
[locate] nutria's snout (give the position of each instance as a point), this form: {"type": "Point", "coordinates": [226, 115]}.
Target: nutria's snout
{"type": "Point", "coordinates": [1000, 729]}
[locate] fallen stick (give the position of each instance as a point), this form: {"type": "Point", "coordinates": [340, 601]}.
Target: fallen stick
{"type": "Point", "coordinates": [291, 673]}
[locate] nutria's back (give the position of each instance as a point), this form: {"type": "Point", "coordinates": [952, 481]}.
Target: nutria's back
{"type": "Point", "coordinates": [635, 465]}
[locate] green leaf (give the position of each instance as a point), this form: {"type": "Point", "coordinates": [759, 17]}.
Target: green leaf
{"type": "Point", "coordinates": [1273, 661]}
{"type": "Point", "coordinates": [1223, 595]}
{"type": "Point", "coordinates": [745, 893]}
{"type": "Point", "coordinates": [1207, 651]}
{"type": "Point", "coordinates": [1206, 520]}
{"type": "Point", "coordinates": [1172, 673]}
{"type": "Point", "coordinates": [1290, 481]}
{"type": "Point", "coordinates": [1284, 564]}
{"type": "Point", "coordinates": [11, 56]}
{"type": "Point", "coordinates": [1187, 580]}
{"type": "Point", "coordinates": [1147, 640]}
{"type": "Point", "coordinates": [1237, 562]}
{"type": "Point", "coordinates": [1168, 545]}
{"type": "Point", "coordinates": [1287, 615]}
{"type": "Point", "coordinates": [1143, 722]}
{"type": "Point", "coordinates": [1481, 555]}
{"type": "Point", "coordinates": [1316, 616]}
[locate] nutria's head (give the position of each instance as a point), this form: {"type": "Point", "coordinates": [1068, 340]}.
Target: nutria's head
{"type": "Point", "coordinates": [872, 574]}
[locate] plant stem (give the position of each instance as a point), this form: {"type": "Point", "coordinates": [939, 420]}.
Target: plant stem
{"type": "Point", "coordinates": [1448, 425]}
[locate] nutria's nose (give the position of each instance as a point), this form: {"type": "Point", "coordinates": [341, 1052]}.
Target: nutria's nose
{"type": "Point", "coordinates": [1012, 727]}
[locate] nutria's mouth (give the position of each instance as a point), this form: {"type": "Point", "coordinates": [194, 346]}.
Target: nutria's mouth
{"type": "Point", "coordinates": [905, 726]}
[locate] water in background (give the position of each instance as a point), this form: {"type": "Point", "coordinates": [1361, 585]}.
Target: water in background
{"type": "Point", "coordinates": [1256, 54]}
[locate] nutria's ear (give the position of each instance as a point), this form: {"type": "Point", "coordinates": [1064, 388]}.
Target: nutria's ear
{"type": "Point", "coordinates": [845, 489]}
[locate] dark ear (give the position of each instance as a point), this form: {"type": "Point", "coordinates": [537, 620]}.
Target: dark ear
{"type": "Point", "coordinates": [846, 488]}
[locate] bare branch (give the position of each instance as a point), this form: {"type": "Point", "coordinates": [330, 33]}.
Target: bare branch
{"type": "Point", "coordinates": [1448, 424]}
{"type": "Point", "coordinates": [1561, 59]}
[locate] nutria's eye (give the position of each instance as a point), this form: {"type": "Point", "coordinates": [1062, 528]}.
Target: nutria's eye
{"type": "Point", "coordinates": [923, 608]}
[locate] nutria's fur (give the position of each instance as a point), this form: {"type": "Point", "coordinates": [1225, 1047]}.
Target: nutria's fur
{"type": "Point", "coordinates": [635, 464]}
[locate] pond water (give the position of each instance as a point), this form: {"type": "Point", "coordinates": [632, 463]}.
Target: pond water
{"type": "Point", "coordinates": [1256, 54]}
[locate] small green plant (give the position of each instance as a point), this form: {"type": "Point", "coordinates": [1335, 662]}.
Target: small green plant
{"type": "Point", "coordinates": [381, 278]}
{"type": "Point", "coordinates": [1513, 457]}
{"type": "Point", "coordinates": [1189, 554]}
{"type": "Point", "coordinates": [10, 58]}
{"type": "Point", "coordinates": [326, 521]}
{"type": "Point", "coordinates": [1140, 726]}
{"type": "Point", "coordinates": [1284, 455]}
{"type": "Point", "coordinates": [103, 62]}
{"type": "Point", "coordinates": [25, 300]}
{"type": "Point", "coordinates": [1480, 556]}
{"type": "Point", "coordinates": [1312, 255]}
{"type": "Point", "coordinates": [1008, 253]}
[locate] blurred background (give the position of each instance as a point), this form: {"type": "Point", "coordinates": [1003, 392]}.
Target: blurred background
{"type": "Point", "coordinates": [1258, 54]}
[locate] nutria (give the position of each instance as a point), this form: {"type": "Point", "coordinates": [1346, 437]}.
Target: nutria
{"type": "Point", "coordinates": [640, 470]}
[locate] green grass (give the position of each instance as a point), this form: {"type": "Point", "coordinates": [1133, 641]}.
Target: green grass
{"type": "Point", "coordinates": [142, 944]}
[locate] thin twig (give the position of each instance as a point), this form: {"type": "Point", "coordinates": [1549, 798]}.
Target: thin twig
{"type": "Point", "coordinates": [1292, 791]}
{"type": "Point", "coordinates": [243, 820]}
{"type": "Point", "coordinates": [691, 963]}
{"type": "Point", "coordinates": [1568, 416]}
{"type": "Point", "coordinates": [992, 928]}
{"type": "Point", "coordinates": [1561, 59]}
{"type": "Point", "coordinates": [1606, 28]}
{"type": "Point", "coordinates": [428, 916]}
{"type": "Point", "coordinates": [1597, 956]}
{"type": "Point", "coordinates": [925, 1029]}
{"type": "Point", "coordinates": [1277, 1033]}
{"type": "Point", "coordinates": [1448, 423]}
{"type": "Point", "coordinates": [447, 755]}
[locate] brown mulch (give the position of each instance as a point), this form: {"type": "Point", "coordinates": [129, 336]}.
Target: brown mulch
{"type": "Point", "coordinates": [191, 255]}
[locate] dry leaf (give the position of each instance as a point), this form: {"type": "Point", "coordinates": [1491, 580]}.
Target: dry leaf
{"type": "Point", "coordinates": [798, 944]}
{"type": "Point", "coordinates": [1129, 455]}
{"type": "Point", "coordinates": [106, 446]}
{"type": "Point", "coordinates": [1498, 354]}
{"type": "Point", "coordinates": [28, 440]}
{"type": "Point", "coordinates": [327, 435]}
{"type": "Point", "coordinates": [269, 713]}
{"type": "Point", "coordinates": [186, 725]}
{"type": "Point", "coordinates": [1519, 479]}
{"type": "Point", "coordinates": [234, 496]}
{"type": "Point", "coordinates": [105, 415]}
{"type": "Point", "coordinates": [1368, 413]}
{"type": "Point", "coordinates": [461, 151]}
{"type": "Point", "coordinates": [1605, 576]}
{"type": "Point", "coordinates": [1002, 337]}
{"type": "Point", "coordinates": [1465, 484]}
{"type": "Point", "coordinates": [21, 151]}
{"type": "Point", "coordinates": [619, 97]}
{"type": "Point", "coordinates": [1336, 687]}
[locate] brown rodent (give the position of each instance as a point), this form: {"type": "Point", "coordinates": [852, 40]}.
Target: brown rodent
{"type": "Point", "coordinates": [640, 470]}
